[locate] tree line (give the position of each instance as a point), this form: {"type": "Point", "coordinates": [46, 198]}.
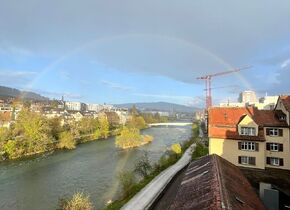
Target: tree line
{"type": "Point", "coordinates": [33, 133]}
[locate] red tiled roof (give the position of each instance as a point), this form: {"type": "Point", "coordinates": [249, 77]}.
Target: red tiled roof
{"type": "Point", "coordinates": [212, 182]}
{"type": "Point", "coordinates": [286, 102]}
{"type": "Point", "coordinates": [223, 121]}
{"type": "Point", "coordinates": [5, 116]}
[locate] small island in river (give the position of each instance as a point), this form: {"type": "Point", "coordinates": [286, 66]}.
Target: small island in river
{"type": "Point", "coordinates": [131, 137]}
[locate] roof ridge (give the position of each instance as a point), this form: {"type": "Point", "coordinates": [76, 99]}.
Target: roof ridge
{"type": "Point", "coordinates": [223, 199]}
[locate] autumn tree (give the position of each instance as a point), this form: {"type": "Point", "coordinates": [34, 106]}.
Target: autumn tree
{"type": "Point", "coordinates": [34, 130]}
{"type": "Point", "coordinates": [66, 140]}
{"type": "Point", "coordinates": [104, 127]}
{"type": "Point", "coordinates": [128, 138]}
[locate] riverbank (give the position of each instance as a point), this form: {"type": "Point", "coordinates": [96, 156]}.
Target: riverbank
{"type": "Point", "coordinates": [92, 168]}
{"type": "Point", "coordinates": [53, 147]}
{"type": "Point", "coordinates": [167, 159]}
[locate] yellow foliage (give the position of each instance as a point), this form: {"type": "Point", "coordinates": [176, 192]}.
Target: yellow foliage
{"type": "Point", "coordinates": [176, 148]}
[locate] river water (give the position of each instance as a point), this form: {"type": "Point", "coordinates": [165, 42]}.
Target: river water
{"type": "Point", "coordinates": [37, 184]}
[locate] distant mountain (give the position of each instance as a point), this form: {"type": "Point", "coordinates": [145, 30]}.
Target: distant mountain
{"type": "Point", "coordinates": [6, 92]}
{"type": "Point", "coordinates": [160, 106]}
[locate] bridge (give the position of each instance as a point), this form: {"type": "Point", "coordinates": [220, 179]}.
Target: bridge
{"type": "Point", "coordinates": [170, 124]}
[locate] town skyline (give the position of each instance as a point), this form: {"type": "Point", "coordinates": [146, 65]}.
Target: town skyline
{"type": "Point", "coordinates": [146, 59]}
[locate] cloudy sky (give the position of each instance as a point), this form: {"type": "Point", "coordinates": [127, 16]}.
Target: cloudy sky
{"type": "Point", "coordinates": [132, 51]}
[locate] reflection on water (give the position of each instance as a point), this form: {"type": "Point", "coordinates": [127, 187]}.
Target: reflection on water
{"type": "Point", "coordinates": [38, 183]}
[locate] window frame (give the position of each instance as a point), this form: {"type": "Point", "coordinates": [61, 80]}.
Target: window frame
{"type": "Point", "coordinates": [273, 146]}
{"type": "Point", "coordinates": [247, 160]}
{"type": "Point", "coordinates": [273, 132]}
{"type": "Point", "coordinates": [274, 161]}
{"type": "Point", "coordinates": [248, 131]}
{"type": "Point", "coordinates": [248, 146]}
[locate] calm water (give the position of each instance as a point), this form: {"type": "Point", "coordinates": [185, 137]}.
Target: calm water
{"type": "Point", "coordinates": [38, 184]}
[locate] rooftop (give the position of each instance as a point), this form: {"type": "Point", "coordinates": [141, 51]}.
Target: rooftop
{"type": "Point", "coordinates": [223, 121]}
{"type": "Point", "coordinates": [212, 182]}
{"type": "Point", "coordinates": [286, 101]}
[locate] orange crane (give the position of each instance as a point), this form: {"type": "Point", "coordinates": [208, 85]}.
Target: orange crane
{"type": "Point", "coordinates": [208, 81]}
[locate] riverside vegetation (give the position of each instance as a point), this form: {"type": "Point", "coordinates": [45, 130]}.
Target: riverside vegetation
{"type": "Point", "coordinates": [130, 136]}
{"type": "Point", "coordinates": [33, 133]}
{"type": "Point", "coordinates": [133, 181]}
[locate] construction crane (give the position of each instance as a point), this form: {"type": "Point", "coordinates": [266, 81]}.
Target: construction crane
{"type": "Point", "coordinates": [222, 87]}
{"type": "Point", "coordinates": [208, 81]}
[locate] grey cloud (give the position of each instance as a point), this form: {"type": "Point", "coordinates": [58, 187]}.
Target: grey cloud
{"type": "Point", "coordinates": [180, 40]}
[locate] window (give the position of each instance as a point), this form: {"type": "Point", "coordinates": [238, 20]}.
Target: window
{"type": "Point", "coordinates": [274, 147]}
{"type": "Point", "coordinates": [274, 132]}
{"type": "Point", "coordinates": [245, 160]}
{"type": "Point", "coordinates": [249, 131]}
{"type": "Point", "coordinates": [274, 161]}
{"type": "Point", "coordinates": [248, 146]}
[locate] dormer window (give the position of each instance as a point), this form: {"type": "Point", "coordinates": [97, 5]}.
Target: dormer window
{"type": "Point", "coordinates": [282, 117]}
{"type": "Point", "coordinates": [248, 131]}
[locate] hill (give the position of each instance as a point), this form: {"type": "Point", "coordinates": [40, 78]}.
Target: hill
{"type": "Point", "coordinates": [6, 92]}
{"type": "Point", "coordinates": [160, 106]}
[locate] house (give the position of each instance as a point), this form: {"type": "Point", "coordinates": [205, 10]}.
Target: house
{"type": "Point", "coordinates": [210, 182]}
{"type": "Point", "coordinates": [5, 119]}
{"type": "Point", "coordinates": [249, 137]}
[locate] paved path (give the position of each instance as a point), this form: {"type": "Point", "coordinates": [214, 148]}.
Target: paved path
{"type": "Point", "coordinates": [146, 197]}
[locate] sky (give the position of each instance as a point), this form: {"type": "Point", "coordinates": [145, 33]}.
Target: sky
{"type": "Point", "coordinates": [144, 51]}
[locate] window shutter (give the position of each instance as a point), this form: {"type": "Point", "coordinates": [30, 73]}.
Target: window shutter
{"type": "Point", "coordinates": [257, 146]}
{"type": "Point", "coordinates": [280, 147]}
{"type": "Point", "coordinates": [240, 161]}
{"type": "Point", "coordinates": [281, 161]}
{"type": "Point", "coordinates": [240, 145]}
{"type": "Point", "coordinates": [267, 131]}
{"type": "Point", "coordinates": [268, 160]}
{"type": "Point", "coordinates": [280, 132]}
{"type": "Point", "coordinates": [267, 146]}
{"type": "Point", "coordinates": [253, 160]}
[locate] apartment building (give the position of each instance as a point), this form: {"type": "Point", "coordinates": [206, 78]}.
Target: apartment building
{"type": "Point", "coordinates": [75, 106]}
{"type": "Point", "coordinates": [250, 137]}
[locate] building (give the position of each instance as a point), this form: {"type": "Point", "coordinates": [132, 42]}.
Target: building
{"type": "Point", "coordinates": [248, 96]}
{"type": "Point", "coordinates": [210, 182]}
{"type": "Point", "coordinates": [5, 119]}
{"type": "Point", "coordinates": [95, 107]}
{"type": "Point", "coordinates": [75, 106]}
{"type": "Point", "coordinates": [249, 137]}
{"type": "Point", "coordinates": [267, 102]}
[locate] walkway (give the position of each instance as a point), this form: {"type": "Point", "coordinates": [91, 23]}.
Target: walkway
{"type": "Point", "coordinates": [146, 197]}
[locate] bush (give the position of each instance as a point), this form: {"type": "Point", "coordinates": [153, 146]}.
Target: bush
{"type": "Point", "coordinates": [66, 141]}
{"type": "Point", "coordinates": [143, 166]}
{"type": "Point", "coordinates": [79, 201]}
{"type": "Point", "coordinates": [128, 138]}
{"type": "Point", "coordinates": [10, 148]}
{"type": "Point", "coordinates": [200, 150]}
{"type": "Point", "coordinates": [176, 148]}
{"type": "Point", "coordinates": [127, 181]}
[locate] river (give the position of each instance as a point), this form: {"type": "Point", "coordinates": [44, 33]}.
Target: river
{"type": "Point", "coordinates": [38, 183]}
